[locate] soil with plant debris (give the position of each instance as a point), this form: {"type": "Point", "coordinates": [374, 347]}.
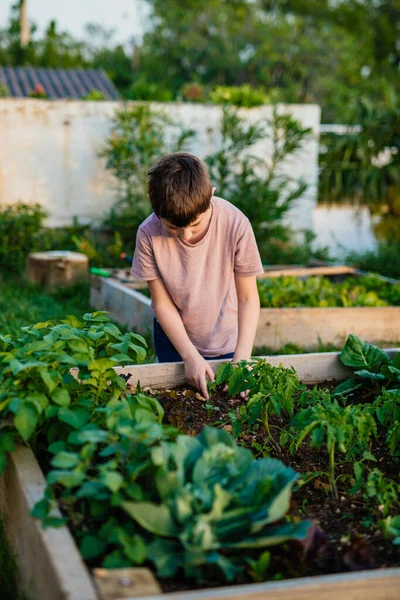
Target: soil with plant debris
{"type": "Point", "coordinates": [345, 538]}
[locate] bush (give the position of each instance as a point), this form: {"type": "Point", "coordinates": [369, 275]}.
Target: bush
{"type": "Point", "coordinates": [4, 91]}
{"type": "Point", "coordinates": [95, 95]}
{"type": "Point", "coordinates": [254, 185]}
{"type": "Point", "coordinates": [385, 260]}
{"type": "Point", "coordinates": [242, 96]}
{"type": "Point", "coordinates": [20, 228]}
{"type": "Point", "coordinates": [145, 90]}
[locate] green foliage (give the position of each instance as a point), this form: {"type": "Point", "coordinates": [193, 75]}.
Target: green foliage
{"type": "Point", "coordinates": [20, 228]}
{"type": "Point", "coordinates": [37, 389]}
{"type": "Point", "coordinates": [137, 141]}
{"type": "Point", "coordinates": [8, 570]}
{"type": "Point", "coordinates": [4, 91]}
{"type": "Point", "coordinates": [95, 95]}
{"type": "Point", "coordinates": [364, 165]}
{"type": "Point", "coordinates": [384, 260]}
{"type": "Point", "coordinates": [241, 96]}
{"type": "Point", "coordinates": [361, 355]}
{"type": "Point", "coordinates": [342, 428]}
{"type": "Point", "coordinates": [271, 390]}
{"type": "Point", "coordinates": [383, 492]}
{"type": "Point", "coordinates": [144, 90]}
{"type": "Point", "coordinates": [391, 528]}
{"type": "Point", "coordinates": [256, 186]}
{"type": "Point", "coordinates": [183, 503]}
{"type": "Point", "coordinates": [321, 292]}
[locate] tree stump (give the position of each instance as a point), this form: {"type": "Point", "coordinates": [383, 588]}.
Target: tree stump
{"type": "Point", "coordinates": [56, 268]}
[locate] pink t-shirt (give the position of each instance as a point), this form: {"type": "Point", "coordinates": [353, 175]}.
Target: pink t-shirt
{"type": "Point", "coordinates": [200, 277]}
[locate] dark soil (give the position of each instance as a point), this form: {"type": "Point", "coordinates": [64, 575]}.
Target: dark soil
{"type": "Point", "coordinates": [349, 540]}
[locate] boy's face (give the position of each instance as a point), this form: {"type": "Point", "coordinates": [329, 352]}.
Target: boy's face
{"type": "Point", "coordinates": [193, 232]}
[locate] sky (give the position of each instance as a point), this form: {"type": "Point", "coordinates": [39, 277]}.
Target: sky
{"type": "Point", "coordinates": [127, 17]}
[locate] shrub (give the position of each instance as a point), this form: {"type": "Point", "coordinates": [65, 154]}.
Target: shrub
{"type": "Point", "coordinates": [95, 95]}
{"type": "Point", "coordinates": [242, 96]}
{"type": "Point", "coordinates": [4, 91]}
{"type": "Point", "coordinates": [20, 228]}
{"type": "Point", "coordinates": [145, 90]}
{"type": "Point", "coordinates": [254, 185]}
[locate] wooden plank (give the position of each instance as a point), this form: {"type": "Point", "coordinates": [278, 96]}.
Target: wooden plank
{"type": "Point", "coordinates": [309, 271]}
{"type": "Point", "coordinates": [135, 582]}
{"type": "Point", "coordinates": [48, 560]}
{"type": "Point", "coordinates": [383, 584]}
{"type": "Point", "coordinates": [306, 326]}
{"type": "Point", "coordinates": [310, 368]}
{"type": "Point", "coordinates": [126, 305]}
{"type": "Point", "coordinates": [53, 570]}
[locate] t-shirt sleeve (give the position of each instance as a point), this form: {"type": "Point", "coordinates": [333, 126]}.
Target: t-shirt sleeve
{"type": "Point", "coordinates": [247, 256]}
{"type": "Point", "coordinates": [144, 265]}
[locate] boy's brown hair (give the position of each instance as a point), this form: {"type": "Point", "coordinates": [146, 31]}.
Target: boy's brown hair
{"type": "Point", "coordinates": [179, 188]}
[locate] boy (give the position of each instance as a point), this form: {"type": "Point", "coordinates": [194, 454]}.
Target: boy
{"type": "Point", "coordinates": [199, 257]}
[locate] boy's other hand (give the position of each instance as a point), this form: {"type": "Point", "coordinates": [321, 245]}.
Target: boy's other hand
{"type": "Point", "coordinates": [196, 371]}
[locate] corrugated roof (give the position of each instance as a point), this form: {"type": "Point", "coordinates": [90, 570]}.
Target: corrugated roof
{"type": "Point", "coordinates": [57, 83]}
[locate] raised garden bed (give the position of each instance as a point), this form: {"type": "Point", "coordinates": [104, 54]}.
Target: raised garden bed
{"type": "Point", "coordinates": [66, 577]}
{"type": "Point", "coordinates": [307, 327]}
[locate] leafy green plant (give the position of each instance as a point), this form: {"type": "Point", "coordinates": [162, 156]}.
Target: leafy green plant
{"type": "Point", "coordinates": [271, 390]}
{"type": "Point", "coordinates": [391, 528]}
{"type": "Point", "coordinates": [20, 228]}
{"type": "Point", "coordinates": [258, 186]}
{"type": "Point", "coordinates": [382, 491]}
{"type": "Point", "coordinates": [241, 96]}
{"type": "Point", "coordinates": [38, 392]}
{"type": "Point", "coordinates": [363, 164]}
{"type": "Point", "coordinates": [94, 95]}
{"type": "Point", "coordinates": [370, 363]}
{"type": "Point", "coordinates": [321, 292]}
{"type": "Point", "coordinates": [342, 428]}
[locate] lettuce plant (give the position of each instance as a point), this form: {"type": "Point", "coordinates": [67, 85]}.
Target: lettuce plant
{"type": "Point", "coordinates": [214, 500]}
{"type": "Point", "coordinates": [38, 392]}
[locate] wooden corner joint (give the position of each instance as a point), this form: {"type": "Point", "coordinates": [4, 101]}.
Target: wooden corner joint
{"type": "Point", "coordinates": [115, 584]}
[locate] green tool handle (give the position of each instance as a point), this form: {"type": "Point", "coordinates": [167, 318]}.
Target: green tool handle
{"type": "Point", "coordinates": [100, 272]}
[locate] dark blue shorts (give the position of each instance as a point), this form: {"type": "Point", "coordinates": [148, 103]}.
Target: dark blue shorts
{"type": "Point", "coordinates": [165, 350]}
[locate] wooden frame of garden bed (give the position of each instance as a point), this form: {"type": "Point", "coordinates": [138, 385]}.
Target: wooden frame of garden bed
{"type": "Point", "coordinates": [305, 327]}
{"type": "Point", "coordinates": [49, 562]}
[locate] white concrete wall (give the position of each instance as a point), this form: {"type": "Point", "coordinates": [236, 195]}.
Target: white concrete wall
{"type": "Point", "coordinates": [49, 153]}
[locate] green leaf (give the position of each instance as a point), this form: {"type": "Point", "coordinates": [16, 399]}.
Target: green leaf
{"type": "Point", "coordinates": [26, 420]}
{"type": "Point", "coordinates": [112, 480]}
{"type": "Point", "coordinates": [156, 518]}
{"type": "Point", "coordinates": [3, 461]}
{"type": "Point", "coordinates": [92, 546]}
{"type": "Point", "coordinates": [365, 374]}
{"type": "Point", "coordinates": [41, 509]}
{"type": "Point", "coordinates": [65, 460]}
{"type": "Point", "coordinates": [75, 416]}
{"type": "Point", "coordinates": [68, 479]}
{"type": "Point", "coordinates": [359, 354]}
{"type": "Point", "coordinates": [6, 441]}
{"type": "Point", "coordinates": [61, 397]}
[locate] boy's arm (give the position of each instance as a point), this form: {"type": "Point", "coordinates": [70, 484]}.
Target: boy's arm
{"type": "Point", "coordinates": [196, 368]}
{"type": "Point", "coordinates": [248, 316]}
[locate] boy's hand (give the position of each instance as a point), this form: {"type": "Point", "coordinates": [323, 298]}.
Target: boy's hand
{"type": "Point", "coordinates": [196, 371]}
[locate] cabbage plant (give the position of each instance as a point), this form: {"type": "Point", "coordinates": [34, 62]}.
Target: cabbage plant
{"type": "Point", "coordinates": [214, 501]}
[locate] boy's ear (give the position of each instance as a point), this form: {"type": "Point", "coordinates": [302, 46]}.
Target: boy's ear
{"type": "Point", "coordinates": [213, 191]}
